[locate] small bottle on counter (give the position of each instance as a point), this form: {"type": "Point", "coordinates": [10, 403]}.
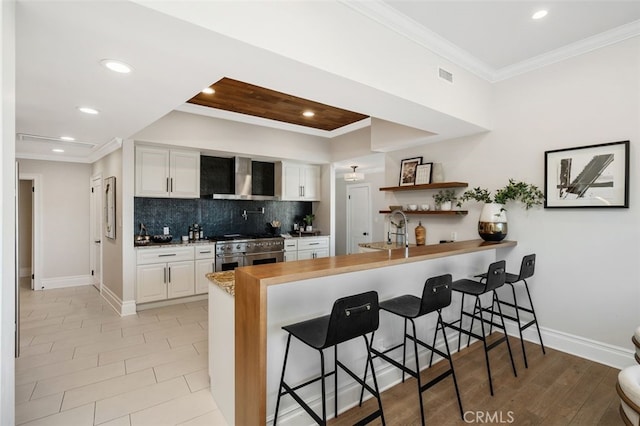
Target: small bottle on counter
{"type": "Point", "coordinates": [201, 233]}
{"type": "Point", "coordinates": [196, 232]}
{"type": "Point", "coordinates": [421, 234]}
{"type": "Point", "coordinates": [190, 233]}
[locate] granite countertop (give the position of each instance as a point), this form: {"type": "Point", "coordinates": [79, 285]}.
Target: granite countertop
{"type": "Point", "coordinates": [226, 280]}
{"type": "Point", "coordinates": [383, 245]}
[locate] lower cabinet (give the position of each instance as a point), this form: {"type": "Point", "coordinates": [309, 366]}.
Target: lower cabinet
{"type": "Point", "coordinates": [313, 247]}
{"type": "Point", "coordinates": [172, 272]}
{"type": "Point", "coordinates": [290, 250]}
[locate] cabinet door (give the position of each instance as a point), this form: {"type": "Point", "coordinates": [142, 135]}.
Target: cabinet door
{"type": "Point", "coordinates": [180, 279]}
{"type": "Point", "coordinates": [305, 254]}
{"type": "Point", "coordinates": [310, 181]}
{"type": "Point", "coordinates": [290, 256]}
{"type": "Point", "coordinates": [152, 172]}
{"type": "Point", "coordinates": [321, 253]}
{"type": "Point", "coordinates": [291, 182]}
{"type": "Point", "coordinates": [151, 282]}
{"type": "Point", "coordinates": [203, 267]}
{"type": "Point", "coordinates": [184, 174]}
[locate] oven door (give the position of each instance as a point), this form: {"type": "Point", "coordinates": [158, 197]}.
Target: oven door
{"type": "Point", "coordinates": [229, 262]}
{"type": "Point", "coordinates": [263, 258]}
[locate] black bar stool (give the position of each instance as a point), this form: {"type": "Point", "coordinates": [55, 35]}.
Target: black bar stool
{"type": "Point", "coordinates": [527, 268]}
{"type": "Point", "coordinates": [436, 295]}
{"type": "Point", "coordinates": [495, 279]}
{"type": "Point", "coordinates": [351, 317]}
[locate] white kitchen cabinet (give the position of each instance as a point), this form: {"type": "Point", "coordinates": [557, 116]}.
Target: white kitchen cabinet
{"type": "Point", "coordinates": [298, 182]}
{"type": "Point", "coordinates": [162, 172]}
{"type": "Point", "coordinates": [290, 250]}
{"type": "Point", "coordinates": [164, 273]}
{"type": "Point", "coordinates": [204, 264]}
{"type": "Point", "coordinates": [313, 247]}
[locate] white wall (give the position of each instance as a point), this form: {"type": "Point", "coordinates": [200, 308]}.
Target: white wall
{"type": "Point", "coordinates": [25, 226]}
{"type": "Point", "coordinates": [207, 133]}
{"type": "Point", "coordinates": [65, 217]}
{"type": "Point", "coordinates": [7, 213]}
{"type": "Point", "coordinates": [586, 287]}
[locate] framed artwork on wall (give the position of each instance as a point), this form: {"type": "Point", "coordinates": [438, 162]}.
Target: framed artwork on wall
{"type": "Point", "coordinates": [587, 176]}
{"type": "Point", "coordinates": [110, 207]}
{"type": "Point", "coordinates": [423, 173]}
{"type": "Point", "coordinates": [408, 169]}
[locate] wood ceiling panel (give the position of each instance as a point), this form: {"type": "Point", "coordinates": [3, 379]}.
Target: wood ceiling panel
{"type": "Point", "coordinates": [245, 98]}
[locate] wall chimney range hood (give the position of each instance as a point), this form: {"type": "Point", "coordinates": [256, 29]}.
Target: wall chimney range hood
{"type": "Point", "coordinates": [246, 180]}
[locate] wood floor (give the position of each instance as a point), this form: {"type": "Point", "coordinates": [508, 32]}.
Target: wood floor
{"type": "Point", "coordinates": [556, 389]}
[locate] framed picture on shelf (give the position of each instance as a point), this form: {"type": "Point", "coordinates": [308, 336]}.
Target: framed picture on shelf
{"type": "Point", "coordinates": [423, 173]}
{"type": "Point", "coordinates": [408, 169]}
{"type": "Point", "coordinates": [587, 176]}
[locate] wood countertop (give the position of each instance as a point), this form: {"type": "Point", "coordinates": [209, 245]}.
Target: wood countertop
{"type": "Point", "coordinates": [279, 273]}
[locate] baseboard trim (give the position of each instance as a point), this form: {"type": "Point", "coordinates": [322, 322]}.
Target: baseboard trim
{"type": "Point", "coordinates": [602, 353]}
{"type": "Point", "coordinates": [64, 282]}
{"type": "Point", "coordinates": [169, 302]}
{"type": "Point", "coordinates": [122, 308]}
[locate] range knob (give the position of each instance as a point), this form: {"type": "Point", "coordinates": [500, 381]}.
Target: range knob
{"type": "Point", "coordinates": [238, 247]}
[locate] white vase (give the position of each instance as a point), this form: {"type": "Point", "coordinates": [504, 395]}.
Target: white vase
{"type": "Point", "coordinates": [445, 205]}
{"type": "Point", "coordinates": [492, 225]}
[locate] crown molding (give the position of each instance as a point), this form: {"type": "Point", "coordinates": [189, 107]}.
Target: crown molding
{"type": "Point", "coordinates": [580, 47]}
{"type": "Point", "coordinates": [386, 15]}
{"type": "Point", "coordinates": [104, 149]}
{"type": "Point", "coordinates": [46, 157]}
{"type": "Point", "coordinates": [389, 17]}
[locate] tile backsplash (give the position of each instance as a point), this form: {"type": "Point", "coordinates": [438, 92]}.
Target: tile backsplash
{"type": "Point", "coordinates": [217, 217]}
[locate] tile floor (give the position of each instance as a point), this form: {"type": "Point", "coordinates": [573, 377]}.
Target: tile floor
{"type": "Point", "coordinates": [82, 364]}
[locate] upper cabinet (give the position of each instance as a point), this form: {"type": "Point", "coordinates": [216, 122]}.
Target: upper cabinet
{"type": "Point", "coordinates": [297, 182]}
{"type": "Point", "coordinates": [162, 172]}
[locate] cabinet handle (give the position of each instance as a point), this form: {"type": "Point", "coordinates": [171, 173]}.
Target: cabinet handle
{"type": "Point", "coordinates": [169, 274]}
{"type": "Point", "coordinates": [165, 274]}
{"type": "Point", "coordinates": [203, 252]}
{"type": "Point", "coordinates": [213, 266]}
{"type": "Point", "coordinates": [166, 255]}
{"type": "Point", "coordinates": [314, 244]}
{"type": "Point", "coordinates": [171, 184]}
{"type": "Point", "coordinates": [167, 184]}
{"type": "Point", "coordinates": [303, 190]}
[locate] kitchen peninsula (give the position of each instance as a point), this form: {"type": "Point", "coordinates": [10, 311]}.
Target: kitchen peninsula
{"type": "Point", "coordinates": [268, 297]}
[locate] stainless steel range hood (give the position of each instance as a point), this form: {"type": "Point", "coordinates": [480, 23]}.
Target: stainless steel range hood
{"type": "Point", "coordinates": [243, 183]}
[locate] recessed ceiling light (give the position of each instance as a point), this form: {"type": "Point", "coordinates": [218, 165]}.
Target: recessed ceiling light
{"type": "Point", "coordinates": [308, 113]}
{"type": "Point", "coordinates": [67, 138]}
{"type": "Point", "coordinates": [539, 14]}
{"type": "Point", "coordinates": [88, 110]}
{"type": "Point", "coordinates": [116, 66]}
{"type": "Point", "coordinates": [57, 150]}
{"type": "Point", "coordinates": [208, 91]}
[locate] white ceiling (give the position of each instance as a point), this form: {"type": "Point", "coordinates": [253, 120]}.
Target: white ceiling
{"type": "Point", "coordinates": [59, 46]}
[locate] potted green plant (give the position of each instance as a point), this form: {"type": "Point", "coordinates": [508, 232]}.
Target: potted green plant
{"type": "Point", "coordinates": [308, 219]}
{"type": "Point", "coordinates": [492, 225]}
{"type": "Point", "coordinates": [444, 198]}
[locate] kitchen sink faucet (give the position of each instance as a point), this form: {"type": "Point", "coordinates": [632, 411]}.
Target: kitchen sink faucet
{"type": "Point", "coordinates": [406, 230]}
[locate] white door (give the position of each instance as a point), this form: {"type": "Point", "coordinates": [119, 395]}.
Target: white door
{"type": "Point", "coordinates": [180, 279]}
{"type": "Point", "coordinates": [184, 176]}
{"type": "Point", "coordinates": [358, 216]}
{"type": "Point", "coordinates": [96, 231]}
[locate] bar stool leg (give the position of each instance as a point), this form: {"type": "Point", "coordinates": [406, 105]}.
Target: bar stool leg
{"type": "Point", "coordinates": [324, 390]}
{"type": "Point", "coordinates": [335, 369]}
{"type": "Point", "coordinates": [533, 312]}
{"type": "Point", "coordinates": [440, 324]}
{"type": "Point", "coordinates": [375, 381]}
{"type": "Point", "coordinates": [415, 349]}
{"type": "Point", "coordinates": [506, 336]}
{"type": "Point", "coordinates": [404, 347]}
{"type": "Point", "coordinates": [478, 307]}
{"type": "Point", "coordinates": [284, 366]}
{"type": "Point", "coordinates": [460, 322]}
{"type": "Point", "coordinates": [515, 304]}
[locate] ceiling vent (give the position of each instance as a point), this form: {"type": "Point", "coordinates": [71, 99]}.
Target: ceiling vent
{"type": "Point", "coordinates": [23, 137]}
{"type": "Point", "coordinates": [445, 75]}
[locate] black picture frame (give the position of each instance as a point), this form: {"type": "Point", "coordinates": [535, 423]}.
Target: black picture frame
{"type": "Point", "coordinates": [424, 173]}
{"type": "Point", "coordinates": [408, 168]}
{"type": "Point", "coordinates": [593, 176]}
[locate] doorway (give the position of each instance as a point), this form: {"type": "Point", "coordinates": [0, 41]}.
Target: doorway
{"type": "Point", "coordinates": [96, 231]}
{"type": "Point", "coordinates": [358, 216]}
{"type": "Point", "coordinates": [29, 220]}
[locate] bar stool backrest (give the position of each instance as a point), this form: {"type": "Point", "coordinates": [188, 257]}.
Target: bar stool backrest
{"type": "Point", "coordinates": [436, 294]}
{"type": "Point", "coordinates": [528, 266]}
{"type": "Point", "coordinates": [496, 275]}
{"type": "Point", "coordinates": [352, 316]}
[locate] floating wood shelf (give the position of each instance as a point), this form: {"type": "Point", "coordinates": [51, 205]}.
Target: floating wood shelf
{"type": "Point", "coordinates": [432, 212]}
{"type": "Point", "coordinates": [439, 185]}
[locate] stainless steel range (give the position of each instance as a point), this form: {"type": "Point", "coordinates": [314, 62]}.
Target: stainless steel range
{"type": "Point", "coordinates": [233, 251]}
